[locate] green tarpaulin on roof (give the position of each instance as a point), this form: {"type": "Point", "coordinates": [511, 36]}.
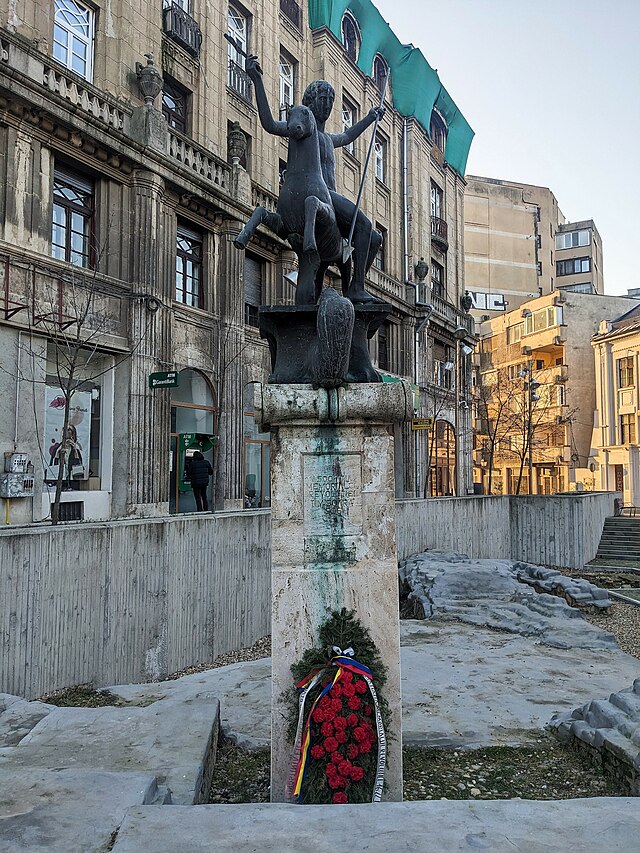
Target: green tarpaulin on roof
{"type": "Point", "coordinates": [416, 87]}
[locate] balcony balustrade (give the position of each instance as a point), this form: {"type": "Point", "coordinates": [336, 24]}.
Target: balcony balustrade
{"type": "Point", "coordinates": [439, 232]}
{"type": "Point", "coordinates": [239, 81]}
{"type": "Point", "coordinates": [181, 28]}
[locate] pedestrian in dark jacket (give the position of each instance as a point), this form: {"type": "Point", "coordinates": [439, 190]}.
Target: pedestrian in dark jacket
{"type": "Point", "coordinates": [199, 472]}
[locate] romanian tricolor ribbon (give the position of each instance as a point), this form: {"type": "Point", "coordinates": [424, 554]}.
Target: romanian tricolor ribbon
{"type": "Point", "coordinates": [342, 661]}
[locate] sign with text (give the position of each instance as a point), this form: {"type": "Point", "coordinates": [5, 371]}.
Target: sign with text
{"type": "Point", "coordinates": [168, 379]}
{"type": "Point", "coordinates": [421, 423]}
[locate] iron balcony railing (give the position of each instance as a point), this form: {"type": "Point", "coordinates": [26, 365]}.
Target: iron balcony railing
{"type": "Point", "coordinates": [239, 80]}
{"type": "Point", "coordinates": [292, 11]}
{"type": "Point", "coordinates": [181, 28]}
{"type": "Point", "coordinates": [439, 232]}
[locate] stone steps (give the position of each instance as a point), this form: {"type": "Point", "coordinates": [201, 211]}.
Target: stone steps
{"type": "Point", "coordinates": [620, 539]}
{"type": "Point", "coordinates": [497, 825]}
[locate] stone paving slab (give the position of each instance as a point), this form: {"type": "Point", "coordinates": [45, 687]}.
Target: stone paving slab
{"type": "Point", "coordinates": [601, 824]}
{"type": "Point", "coordinates": [66, 811]}
{"type": "Point", "coordinates": [172, 740]}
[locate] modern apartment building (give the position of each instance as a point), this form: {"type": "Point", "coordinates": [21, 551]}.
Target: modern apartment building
{"type": "Point", "coordinates": [535, 400]}
{"type": "Point", "coordinates": [615, 451]}
{"type": "Point", "coordinates": [131, 155]}
{"type": "Point", "coordinates": [519, 246]}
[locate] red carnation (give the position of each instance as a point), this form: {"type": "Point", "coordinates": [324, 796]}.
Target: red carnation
{"type": "Point", "coordinates": [349, 690]}
{"type": "Point", "coordinates": [340, 723]}
{"type": "Point", "coordinates": [354, 703]}
{"type": "Point", "coordinates": [326, 729]}
{"type": "Point", "coordinates": [347, 676]}
{"type": "Point", "coordinates": [336, 690]}
{"type": "Point", "coordinates": [361, 687]}
{"type": "Point", "coordinates": [317, 751]}
{"type": "Point", "coordinates": [352, 720]}
{"type": "Point", "coordinates": [334, 782]}
{"type": "Point", "coordinates": [344, 768]}
{"type": "Point", "coordinates": [318, 715]}
{"type": "Point", "coordinates": [360, 734]}
{"type": "Point", "coordinates": [365, 747]}
{"type": "Point", "coordinates": [324, 702]}
{"type": "Point", "coordinates": [336, 705]}
{"type": "Point", "coordinates": [368, 710]}
{"type": "Point", "coordinates": [352, 751]}
{"type": "Point", "coordinates": [341, 737]}
{"type": "Point", "coordinates": [330, 744]}
{"type": "Point", "coordinates": [357, 773]}
{"type": "Point", "coordinates": [339, 797]}
{"type": "Point", "coordinates": [336, 757]}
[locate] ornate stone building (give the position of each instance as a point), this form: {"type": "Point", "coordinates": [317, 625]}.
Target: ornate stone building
{"type": "Point", "coordinates": [131, 155]}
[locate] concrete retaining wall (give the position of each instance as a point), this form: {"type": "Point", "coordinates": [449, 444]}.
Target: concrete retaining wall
{"type": "Point", "coordinates": [130, 600]}
{"type": "Point", "coordinates": [555, 530]}
{"type": "Point", "coordinates": [134, 600]}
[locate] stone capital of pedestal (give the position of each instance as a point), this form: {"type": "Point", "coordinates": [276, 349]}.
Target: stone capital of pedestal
{"type": "Point", "coordinates": [374, 403]}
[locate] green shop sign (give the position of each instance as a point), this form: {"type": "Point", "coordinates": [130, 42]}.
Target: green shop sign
{"type": "Point", "coordinates": [168, 379]}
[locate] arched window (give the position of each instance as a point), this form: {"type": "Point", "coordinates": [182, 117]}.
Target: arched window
{"type": "Point", "coordinates": [438, 130]}
{"type": "Point", "coordinates": [380, 71]}
{"type": "Point", "coordinates": [193, 426]}
{"type": "Point", "coordinates": [350, 36]}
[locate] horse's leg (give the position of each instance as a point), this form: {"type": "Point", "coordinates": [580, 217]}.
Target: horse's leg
{"type": "Point", "coordinates": [260, 216]}
{"type": "Point", "coordinates": [316, 211]}
{"type": "Point", "coordinates": [324, 266]}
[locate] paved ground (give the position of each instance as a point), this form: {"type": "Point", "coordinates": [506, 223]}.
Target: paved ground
{"type": "Point", "coordinates": [69, 775]}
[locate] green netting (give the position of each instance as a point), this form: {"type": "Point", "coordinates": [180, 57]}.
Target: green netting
{"type": "Point", "coordinates": [416, 87]}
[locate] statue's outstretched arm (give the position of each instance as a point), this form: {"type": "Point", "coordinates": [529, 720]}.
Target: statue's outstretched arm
{"type": "Point", "coordinates": [279, 128]}
{"type": "Point", "coordinates": [351, 133]}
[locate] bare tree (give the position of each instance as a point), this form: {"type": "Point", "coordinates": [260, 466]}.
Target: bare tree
{"type": "Point", "coordinates": [497, 402]}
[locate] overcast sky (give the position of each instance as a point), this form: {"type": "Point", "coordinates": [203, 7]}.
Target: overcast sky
{"type": "Point", "coordinates": [552, 90]}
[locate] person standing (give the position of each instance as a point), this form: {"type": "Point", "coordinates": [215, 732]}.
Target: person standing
{"type": "Point", "coordinates": [199, 472]}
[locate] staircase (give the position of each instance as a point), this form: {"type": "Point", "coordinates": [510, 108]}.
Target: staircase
{"type": "Point", "coordinates": [620, 539]}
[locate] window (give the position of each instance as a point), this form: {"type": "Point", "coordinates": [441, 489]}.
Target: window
{"type": "Point", "coordinates": [437, 279]}
{"type": "Point", "coordinates": [350, 37]}
{"type": "Point", "coordinates": [72, 219]}
{"type": "Point", "coordinates": [573, 266]}
{"type": "Point", "coordinates": [379, 259]}
{"type": "Point", "coordinates": [287, 68]}
{"type": "Point", "coordinates": [349, 118]}
{"type": "Point", "coordinates": [571, 239]}
{"type": "Point", "coordinates": [544, 318]}
{"type": "Point", "coordinates": [381, 159]}
{"type": "Point", "coordinates": [437, 203]}
{"type": "Point", "coordinates": [175, 104]}
{"type": "Point", "coordinates": [514, 333]}
{"type": "Point", "coordinates": [443, 364]}
{"type": "Point", "coordinates": [625, 372]}
{"type": "Point", "coordinates": [189, 267]}
{"type": "Point", "coordinates": [253, 277]}
{"type": "Point", "coordinates": [292, 11]}
{"type": "Point", "coordinates": [238, 27]}
{"type": "Point", "coordinates": [380, 72]}
{"type": "Point", "coordinates": [438, 131]}
{"type": "Point", "coordinates": [73, 25]}
{"type": "Point", "coordinates": [627, 429]}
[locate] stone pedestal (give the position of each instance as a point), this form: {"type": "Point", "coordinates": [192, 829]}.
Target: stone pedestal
{"type": "Point", "coordinates": [333, 535]}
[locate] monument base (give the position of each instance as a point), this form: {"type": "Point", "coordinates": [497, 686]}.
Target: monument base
{"type": "Point", "coordinates": [333, 537]}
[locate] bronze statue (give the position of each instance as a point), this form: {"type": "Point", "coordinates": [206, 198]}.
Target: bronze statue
{"type": "Point", "coordinates": [319, 98]}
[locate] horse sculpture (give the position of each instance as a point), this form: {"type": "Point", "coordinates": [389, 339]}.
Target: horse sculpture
{"type": "Point", "coordinates": [304, 214]}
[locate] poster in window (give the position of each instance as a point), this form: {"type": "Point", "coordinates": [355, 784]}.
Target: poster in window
{"type": "Point", "coordinates": [76, 440]}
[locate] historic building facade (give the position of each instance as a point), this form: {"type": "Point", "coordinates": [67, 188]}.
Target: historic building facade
{"type": "Point", "coordinates": [615, 452]}
{"type": "Point", "coordinates": [131, 155]}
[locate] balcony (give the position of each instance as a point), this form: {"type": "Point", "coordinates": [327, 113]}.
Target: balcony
{"type": "Point", "coordinates": [239, 81]}
{"type": "Point", "coordinates": [291, 10]}
{"type": "Point", "coordinates": [439, 232]}
{"type": "Point", "coordinates": [181, 28]}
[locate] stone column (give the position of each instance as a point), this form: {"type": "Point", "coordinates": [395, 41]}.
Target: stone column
{"type": "Point", "coordinates": [333, 535]}
{"type": "Point", "coordinates": [149, 333]}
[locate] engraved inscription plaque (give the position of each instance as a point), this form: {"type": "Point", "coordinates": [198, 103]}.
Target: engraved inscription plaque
{"type": "Point", "coordinates": [332, 494]}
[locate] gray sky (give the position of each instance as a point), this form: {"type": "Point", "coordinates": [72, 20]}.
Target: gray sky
{"type": "Point", "coordinates": [552, 91]}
